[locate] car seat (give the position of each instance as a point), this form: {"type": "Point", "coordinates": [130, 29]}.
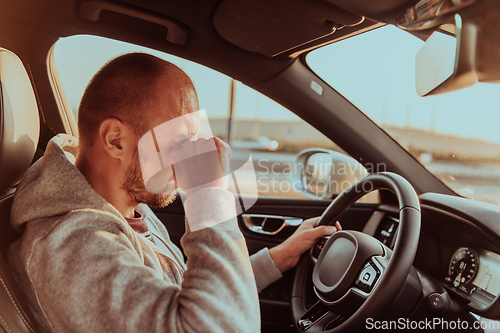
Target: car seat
{"type": "Point", "coordinates": [19, 133]}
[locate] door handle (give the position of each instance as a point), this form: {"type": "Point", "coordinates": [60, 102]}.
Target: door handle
{"type": "Point", "coordinates": [269, 224]}
{"type": "Point", "coordinates": [91, 10]}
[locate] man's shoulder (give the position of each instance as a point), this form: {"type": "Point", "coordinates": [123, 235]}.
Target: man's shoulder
{"type": "Point", "coordinates": [84, 231]}
{"type": "Point", "coordinates": [54, 187]}
{"type": "Point", "coordinates": [77, 223]}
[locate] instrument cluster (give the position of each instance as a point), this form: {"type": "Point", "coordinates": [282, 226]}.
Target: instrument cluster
{"type": "Point", "coordinates": [475, 273]}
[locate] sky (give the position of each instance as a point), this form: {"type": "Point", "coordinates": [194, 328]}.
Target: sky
{"type": "Point", "coordinates": [374, 70]}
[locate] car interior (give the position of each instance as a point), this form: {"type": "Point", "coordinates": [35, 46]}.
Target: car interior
{"type": "Point", "coordinates": [413, 254]}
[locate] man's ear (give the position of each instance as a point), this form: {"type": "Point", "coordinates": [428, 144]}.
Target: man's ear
{"type": "Point", "coordinates": [112, 135]}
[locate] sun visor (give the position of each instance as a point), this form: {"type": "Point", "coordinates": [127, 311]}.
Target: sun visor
{"type": "Point", "coordinates": [271, 27]}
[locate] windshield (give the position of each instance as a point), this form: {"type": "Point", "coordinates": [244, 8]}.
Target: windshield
{"type": "Point", "coordinates": [455, 135]}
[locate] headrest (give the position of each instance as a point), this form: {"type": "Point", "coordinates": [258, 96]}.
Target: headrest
{"type": "Point", "coordinates": [19, 120]}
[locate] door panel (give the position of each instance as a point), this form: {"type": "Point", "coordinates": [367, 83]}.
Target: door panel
{"type": "Point", "coordinates": [354, 219]}
{"type": "Point", "coordinates": [275, 299]}
{"type": "Point", "coordinates": [172, 217]}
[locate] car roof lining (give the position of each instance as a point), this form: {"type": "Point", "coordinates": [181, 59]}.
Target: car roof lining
{"type": "Point", "coordinates": [263, 26]}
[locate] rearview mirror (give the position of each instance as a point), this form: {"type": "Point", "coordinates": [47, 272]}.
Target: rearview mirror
{"type": "Point", "coordinates": [435, 62]}
{"type": "Point", "coordinates": [322, 173]}
{"type": "Point", "coordinates": [446, 63]}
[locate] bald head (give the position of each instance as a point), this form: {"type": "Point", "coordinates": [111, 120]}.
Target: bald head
{"type": "Point", "coordinates": [140, 90]}
{"type": "Point", "coordinates": [175, 96]}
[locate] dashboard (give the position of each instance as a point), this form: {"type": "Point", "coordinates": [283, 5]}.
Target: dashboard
{"type": "Point", "coordinates": [458, 247]}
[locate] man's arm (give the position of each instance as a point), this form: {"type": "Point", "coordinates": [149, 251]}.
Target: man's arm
{"type": "Point", "coordinates": [268, 265]}
{"type": "Point", "coordinates": [90, 275]}
{"type": "Point", "coordinates": [196, 170]}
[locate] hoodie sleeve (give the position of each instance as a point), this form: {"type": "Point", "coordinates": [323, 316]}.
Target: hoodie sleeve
{"type": "Point", "coordinates": [205, 208]}
{"type": "Point", "coordinates": [264, 268]}
{"type": "Point", "coordinates": [89, 275]}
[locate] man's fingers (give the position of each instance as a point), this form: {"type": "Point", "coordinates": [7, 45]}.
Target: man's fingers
{"type": "Point", "coordinates": [224, 154]}
{"type": "Point", "coordinates": [310, 223]}
{"type": "Point", "coordinates": [206, 166]}
{"type": "Point", "coordinates": [327, 230]}
{"type": "Point", "coordinates": [324, 230]}
{"type": "Point", "coordinates": [219, 143]}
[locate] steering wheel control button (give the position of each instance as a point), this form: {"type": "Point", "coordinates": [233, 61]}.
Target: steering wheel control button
{"type": "Point", "coordinates": [304, 324]}
{"type": "Point", "coordinates": [436, 301]}
{"type": "Point", "coordinates": [367, 277]}
{"type": "Point", "coordinates": [318, 247]}
{"type": "Point", "coordinates": [313, 315]}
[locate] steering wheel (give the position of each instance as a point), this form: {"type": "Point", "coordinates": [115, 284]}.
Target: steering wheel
{"type": "Point", "coordinates": [357, 277]}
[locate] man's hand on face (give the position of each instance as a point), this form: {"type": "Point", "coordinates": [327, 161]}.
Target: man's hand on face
{"type": "Point", "coordinates": [206, 168]}
{"type": "Point", "coordinates": [287, 254]}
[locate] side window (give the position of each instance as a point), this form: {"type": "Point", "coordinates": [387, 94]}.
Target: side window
{"type": "Point", "coordinates": [239, 115]}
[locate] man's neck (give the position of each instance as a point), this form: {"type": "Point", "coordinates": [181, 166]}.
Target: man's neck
{"type": "Point", "coordinates": [107, 183]}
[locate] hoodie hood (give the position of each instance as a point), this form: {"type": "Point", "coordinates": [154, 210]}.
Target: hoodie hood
{"type": "Point", "coordinates": [53, 186]}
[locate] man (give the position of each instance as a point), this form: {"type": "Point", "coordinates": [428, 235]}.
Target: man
{"type": "Point", "coordinates": [94, 258]}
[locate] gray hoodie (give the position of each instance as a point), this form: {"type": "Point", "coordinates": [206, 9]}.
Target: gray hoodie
{"type": "Point", "coordinates": [83, 268]}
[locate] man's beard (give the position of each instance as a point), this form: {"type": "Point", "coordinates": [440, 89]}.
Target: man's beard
{"type": "Point", "coordinates": [135, 188]}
